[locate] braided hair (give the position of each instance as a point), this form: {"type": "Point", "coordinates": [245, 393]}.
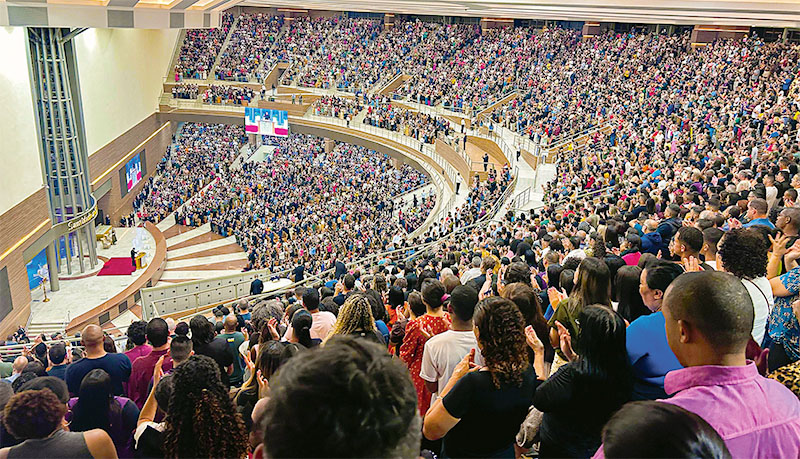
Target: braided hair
{"type": "Point", "coordinates": [202, 420]}
{"type": "Point", "coordinates": [354, 316]}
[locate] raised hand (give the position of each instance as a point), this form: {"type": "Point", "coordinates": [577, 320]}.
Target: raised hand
{"type": "Point", "coordinates": [691, 265]}
{"type": "Point", "coordinates": [779, 244]}
{"type": "Point", "coordinates": [272, 326]}
{"type": "Point", "coordinates": [158, 371]}
{"type": "Point", "coordinates": [533, 340]}
{"type": "Point", "coordinates": [565, 341]}
{"type": "Point", "coordinates": [466, 365]}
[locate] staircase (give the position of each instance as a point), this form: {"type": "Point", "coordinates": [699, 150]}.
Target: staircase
{"type": "Point", "coordinates": [212, 71]}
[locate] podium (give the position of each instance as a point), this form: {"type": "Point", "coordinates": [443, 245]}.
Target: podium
{"type": "Point", "coordinates": [140, 263]}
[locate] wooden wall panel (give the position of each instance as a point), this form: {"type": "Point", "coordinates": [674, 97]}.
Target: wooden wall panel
{"type": "Point", "coordinates": [18, 230]}
{"type": "Point", "coordinates": [104, 164]}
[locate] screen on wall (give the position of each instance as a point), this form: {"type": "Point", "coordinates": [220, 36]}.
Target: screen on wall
{"type": "Point", "coordinates": [264, 121]}
{"type": "Point", "coordinates": [133, 172]}
{"type": "Point", "coordinates": [37, 270]}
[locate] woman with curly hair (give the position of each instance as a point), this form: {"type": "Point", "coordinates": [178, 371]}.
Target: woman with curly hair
{"type": "Point", "coordinates": [355, 318]}
{"type": "Point", "coordinates": [202, 420]}
{"type": "Point", "coordinates": [583, 394]}
{"type": "Point", "coordinates": [480, 409]}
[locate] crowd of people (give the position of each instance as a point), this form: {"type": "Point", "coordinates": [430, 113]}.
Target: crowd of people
{"type": "Point", "coordinates": [225, 94]}
{"type": "Point", "coordinates": [185, 91]}
{"type": "Point", "coordinates": [305, 203]}
{"type": "Point", "coordinates": [338, 107]}
{"type": "Point", "coordinates": [248, 47]}
{"type": "Point", "coordinates": [200, 48]}
{"type": "Point", "coordinates": [199, 153]}
{"type": "Point", "coordinates": [382, 112]}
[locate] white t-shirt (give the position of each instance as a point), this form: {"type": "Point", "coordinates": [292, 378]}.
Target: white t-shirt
{"type": "Point", "coordinates": [763, 301]}
{"type": "Point", "coordinates": [442, 353]}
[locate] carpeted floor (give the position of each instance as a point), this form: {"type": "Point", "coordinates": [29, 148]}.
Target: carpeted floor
{"type": "Point", "coordinates": [117, 267]}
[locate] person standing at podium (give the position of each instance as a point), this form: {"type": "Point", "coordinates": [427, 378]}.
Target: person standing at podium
{"type": "Point", "coordinates": [133, 257]}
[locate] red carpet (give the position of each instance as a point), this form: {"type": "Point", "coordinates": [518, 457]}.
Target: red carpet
{"type": "Point", "coordinates": [117, 267]}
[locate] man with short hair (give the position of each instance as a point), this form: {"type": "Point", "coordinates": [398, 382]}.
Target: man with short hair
{"type": "Point", "coordinates": [442, 352]}
{"type": "Point", "coordinates": [118, 366]}
{"type": "Point", "coordinates": [17, 368]}
{"type": "Point", "coordinates": [711, 237]}
{"type": "Point", "coordinates": [709, 319]}
{"type": "Point", "coordinates": [142, 368]}
{"type": "Point", "coordinates": [651, 240]}
{"type": "Point", "coordinates": [321, 321]}
{"type": "Point", "coordinates": [347, 284]}
{"type": "Point", "coordinates": [58, 357]}
{"type": "Point", "coordinates": [234, 340]}
{"type": "Point", "coordinates": [688, 243]}
{"type": "Point", "coordinates": [473, 272]}
{"type": "Point", "coordinates": [669, 226]}
{"type": "Point", "coordinates": [487, 267]}
{"type": "Point", "coordinates": [757, 213]}
{"type": "Point", "coordinates": [321, 386]}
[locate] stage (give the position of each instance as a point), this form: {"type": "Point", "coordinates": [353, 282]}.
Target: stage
{"type": "Point", "coordinates": [82, 293]}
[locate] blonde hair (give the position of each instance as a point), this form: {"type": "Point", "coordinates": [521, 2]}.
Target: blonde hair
{"type": "Point", "coordinates": [354, 315]}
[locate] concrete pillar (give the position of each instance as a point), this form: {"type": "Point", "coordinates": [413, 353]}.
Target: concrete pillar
{"type": "Point", "coordinates": [52, 266]}
{"type": "Point", "coordinates": [329, 145]}
{"type": "Point", "coordinates": [396, 163]}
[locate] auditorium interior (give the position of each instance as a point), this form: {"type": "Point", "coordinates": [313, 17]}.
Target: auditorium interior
{"type": "Point", "coordinates": [175, 159]}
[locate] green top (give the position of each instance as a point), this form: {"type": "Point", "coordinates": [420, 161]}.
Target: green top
{"type": "Point", "coordinates": [235, 340]}
{"type": "Point", "coordinates": [568, 319]}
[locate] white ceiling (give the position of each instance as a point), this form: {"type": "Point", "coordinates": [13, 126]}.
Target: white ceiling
{"type": "Point", "coordinates": [778, 13]}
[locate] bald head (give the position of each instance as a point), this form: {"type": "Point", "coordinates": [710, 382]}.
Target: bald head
{"type": "Point", "coordinates": [712, 306]}
{"type": "Point", "coordinates": [19, 364]}
{"type": "Point", "coordinates": [230, 323]}
{"type": "Point", "coordinates": [92, 336]}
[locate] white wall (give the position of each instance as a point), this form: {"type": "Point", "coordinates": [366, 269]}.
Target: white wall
{"type": "Point", "coordinates": [121, 73]}
{"type": "Point", "coordinates": [20, 169]}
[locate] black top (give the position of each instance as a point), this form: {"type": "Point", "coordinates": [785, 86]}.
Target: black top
{"type": "Point", "coordinates": [489, 417]}
{"type": "Point", "coordinates": [150, 444]}
{"type": "Point", "coordinates": [298, 273]}
{"type": "Point", "coordinates": [256, 287]}
{"type": "Point", "coordinates": [218, 350]}
{"type": "Point", "coordinates": [575, 411]}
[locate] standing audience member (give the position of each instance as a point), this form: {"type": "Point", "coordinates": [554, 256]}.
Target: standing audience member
{"type": "Point", "coordinates": [204, 342]}
{"type": "Point", "coordinates": [37, 418]}
{"type": "Point", "coordinates": [58, 358]}
{"type": "Point", "coordinates": [709, 320]}
{"type": "Point", "coordinates": [117, 366]}
{"type": "Point", "coordinates": [96, 407]}
{"type": "Point", "coordinates": [234, 339]}
{"type": "Point", "coordinates": [500, 391]}
{"type": "Point", "coordinates": [142, 369]}
{"type": "Point", "coordinates": [348, 423]}
{"type": "Point", "coordinates": [137, 335]}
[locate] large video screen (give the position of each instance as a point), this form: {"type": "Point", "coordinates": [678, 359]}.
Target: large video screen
{"type": "Point", "coordinates": [133, 172]}
{"type": "Point", "coordinates": [263, 121]}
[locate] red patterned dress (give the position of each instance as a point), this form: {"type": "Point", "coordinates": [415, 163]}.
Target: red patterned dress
{"type": "Point", "coordinates": [411, 352]}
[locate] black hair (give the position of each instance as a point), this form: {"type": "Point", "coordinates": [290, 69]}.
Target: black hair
{"type": "Point", "coordinates": [423, 276]}
{"type": "Point", "coordinates": [603, 359]}
{"type": "Point", "coordinates": [631, 306]}
{"type": "Point", "coordinates": [301, 327]}
{"type": "Point", "coordinates": [368, 409]}
{"type": "Point", "coordinates": [715, 303]}
{"type": "Point", "coordinates": [396, 297]}
{"type": "Point", "coordinates": [554, 275]}
{"type": "Point", "coordinates": [180, 348]}
{"type": "Point", "coordinates": [691, 236]}
{"type": "Point", "coordinates": [136, 332]}
{"type": "Point", "coordinates": [311, 299]}
{"type": "Point", "coordinates": [433, 293]}
{"type": "Point", "coordinates": [657, 429]}
{"type": "Point", "coordinates": [743, 253]}
{"type": "Point", "coordinates": [57, 353]}
{"type": "Point", "coordinates": [567, 280]}
{"type": "Point", "coordinates": [661, 273]}
{"type": "Point", "coordinates": [56, 385]}
{"type": "Point", "coordinates": [416, 304]}
{"type": "Point", "coordinates": [202, 331]}
{"type": "Point", "coordinates": [462, 302]}
{"type": "Point", "coordinates": [182, 329]}
{"type": "Point", "coordinates": [349, 281]}
{"type": "Point", "coordinates": [96, 406]}
{"type": "Point", "coordinates": [157, 332]}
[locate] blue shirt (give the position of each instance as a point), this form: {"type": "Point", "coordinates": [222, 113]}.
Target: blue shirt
{"type": "Point", "coordinates": [118, 366]}
{"type": "Point", "coordinates": [782, 324]}
{"type": "Point", "coordinates": [759, 221]}
{"type": "Point", "coordinates": [650, 356]}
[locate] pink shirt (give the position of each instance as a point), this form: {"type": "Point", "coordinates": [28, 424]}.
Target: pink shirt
{"type": "Point", "coordinates": [138, 351]}
{"type": "Point", "coordinates": [756, 416]}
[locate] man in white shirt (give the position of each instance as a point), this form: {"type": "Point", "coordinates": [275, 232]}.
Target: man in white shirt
{"type": "Point", "coordinates": [442, 352]}
{"type": "Point", "coordinates": [473, 272]}
{"type": "Point", "coordinates": [321, 321]}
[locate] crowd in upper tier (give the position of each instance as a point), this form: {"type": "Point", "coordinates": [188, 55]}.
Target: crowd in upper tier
{"type": "Point", "coordinates": [200, 48]}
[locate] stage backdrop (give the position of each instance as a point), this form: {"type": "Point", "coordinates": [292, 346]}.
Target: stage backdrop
{"type": "Point", "coordinates": [264, 121]}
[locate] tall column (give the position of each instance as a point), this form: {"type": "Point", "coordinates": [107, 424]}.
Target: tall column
{"type": "Point", "coordinates": [63, 142]}
{"type": "Point", "coordinates": [52, 267]}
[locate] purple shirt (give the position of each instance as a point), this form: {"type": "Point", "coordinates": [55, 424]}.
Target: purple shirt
{"type": "Point", "coordinates": [139, 351]}
{"type": "Point", "coordinates": [756, 416]}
